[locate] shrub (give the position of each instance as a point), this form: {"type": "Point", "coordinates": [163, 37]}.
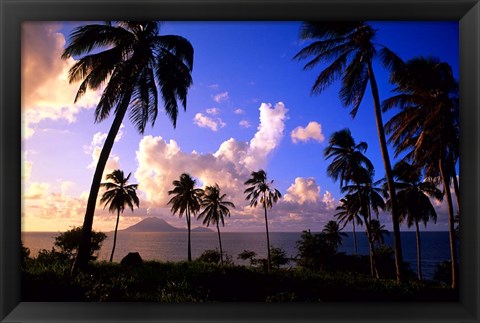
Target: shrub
{"type": "Point", "coordinates": [314, 251]}
{"type": "Point", "coordinates": [68, 242]}
{"type": "Point", "coordinates": [213, 257]}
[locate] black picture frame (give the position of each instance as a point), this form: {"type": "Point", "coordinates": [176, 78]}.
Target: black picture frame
{"type": "Point", "coordinates": [14, 12]}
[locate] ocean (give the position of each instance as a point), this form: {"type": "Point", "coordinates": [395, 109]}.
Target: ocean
{"type": "Point", "coordinates": [172, 246]}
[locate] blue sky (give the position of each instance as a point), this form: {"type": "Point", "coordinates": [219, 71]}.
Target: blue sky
{"type": "Point", "coordinates": [248, 100]}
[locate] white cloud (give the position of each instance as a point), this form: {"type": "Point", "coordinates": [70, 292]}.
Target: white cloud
{"type": "Point", "coordinates": [46, 92]}
{"type": "Point", "coordinates": [269, 133]}
{"type": "Point", "coordinates": [213, 111]}
{"type": "Point", "coordinates": [220, 97]}
{"type": "Point", "coordinates": [203, 121]}
{"type": "Point", "coordinates": [303, 190]}
{"type": "Point", "coordinates": [244, 124]}
{"type": "Point", "coordinates": [313, 131]}
{"type": "Point", "coordinates": [239, 111]}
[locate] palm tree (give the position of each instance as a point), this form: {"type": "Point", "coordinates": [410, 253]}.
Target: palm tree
{"type": "Point", "coordinates": [262, 191]}
{"type": "Point", "coordinates": [131, 58]}
{"type": "Point", "coordinates": [378, 232]}
{"type": "Point", "coordinates": [117, 196]}
{"type": "Point", "coordinates": [367, 196]}
{"type": "Point", "coordinates": [349, 213]}
{"type": "Point", "coordinates": [348, 158]}
{"type": "Point", "coordinates": [215, 208]}
{"type": "Point", "coordinates": [414, 195]}
{"type": "Point", "coordinates": [352, 48]}
{"type": "Point", "coordinates": [333, 234]}
{"type": "Point", "coordinates": [427, 127]}
{"type": "Point", "coordinates": [186, 200]}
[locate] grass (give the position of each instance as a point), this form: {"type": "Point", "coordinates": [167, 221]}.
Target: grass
{"type": "Point", "coordinates": [203, 282]}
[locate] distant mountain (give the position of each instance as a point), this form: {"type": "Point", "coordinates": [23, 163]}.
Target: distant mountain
{"type": "Point", "coordinates": [153, 224]}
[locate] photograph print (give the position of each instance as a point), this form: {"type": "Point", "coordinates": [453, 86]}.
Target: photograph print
{"type": "Point", "coordinates": [224, 161]}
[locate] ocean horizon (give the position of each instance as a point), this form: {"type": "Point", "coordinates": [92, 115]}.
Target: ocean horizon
{"type": "Point", "coordinates": [172, 246]}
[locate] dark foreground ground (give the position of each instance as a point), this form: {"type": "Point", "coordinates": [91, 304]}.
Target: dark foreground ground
{"type": "Point", "coordinates": [204, 282]}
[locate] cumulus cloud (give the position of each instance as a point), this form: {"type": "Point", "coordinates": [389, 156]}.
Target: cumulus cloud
{"type": "Point", "coordinates": [220, 97]}
{"type": "Point", "coordinates": [203, 121]}
{"type": "Point", "coordinates": [303, 190]}
{"type": "Point", "coordinates": [269, 133]}
{"type": "Point", "coordinates": [239, 111]}
{"type": "Point", "coordinates": [313, 131]}
{"type": "Point", "coordinates": [46, 92]}
{"type": "Point", "coordinates": [244, 124]}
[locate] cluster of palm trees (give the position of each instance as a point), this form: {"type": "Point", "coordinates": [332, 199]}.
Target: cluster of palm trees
{"type": "Point", "coordinates": [425, 131]}
{"type": "Point", "coordinates": [189, 200]}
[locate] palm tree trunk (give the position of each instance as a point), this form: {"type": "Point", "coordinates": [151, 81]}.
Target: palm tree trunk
{"type": "Point", "coordinates": [84, 247]}
{"type": "Point", "coordinates": [453, 251]}
{"type": "Point", "coordinates": [354, 239]}
{"type": "Point", "coordinates": [419, 250]}
{"type": "Point", "coordinates": [373, 265]}
{"type": "Point", "coordinates": [220, 243]}
{"type": "Point", "coordinates": [388, 174]}
{"type": "Point", "coordinates": [115, 236]}
{"type": "Point", "coordinates": [189, 243]}
{"type": "Point", "coordinates": [268, 237]}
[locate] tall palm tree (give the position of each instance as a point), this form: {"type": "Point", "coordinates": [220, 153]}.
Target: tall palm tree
{"type": "Point", "coordinates": [427, 127]}
{"type": "Point", "coordinates": [349, 213]}
{"type": "Point", "coordinates": [117, 196]}
{"type": "Point", "coordinates": [333, 233]}
{"type": "Point", "coordinates": [261, 191]}
{"type": "Point", "coordinates": [215, 208]}
{"type": "Point", "coordinates": [352, 48]}
{"type": "Point", "coordinates": [186, 200]}
{"type": "Point", "coordinates": [414, 197]}
{"type": "Point", "coordinates": [131, 58]}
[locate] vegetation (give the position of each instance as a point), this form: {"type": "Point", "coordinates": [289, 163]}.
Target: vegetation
{"type": "Point", "coordinates": [117, 196]}
{"type": "Point", "coordinates": [186, 200]}
{"type": "Point", "coordinates": [263, 192]}
{"type": "Point", "coordinates": [352, 48]}
{"type": "Point", "coordinates": [67, 242]}
{"type": "Point", "coordinates": [200, 281]}
{"type": "Point", "coordinates": [427, 127]}
{"type": "Point", "coordinates": [215, 209]}
{"type": "Point", "coordinates": [136, 62]}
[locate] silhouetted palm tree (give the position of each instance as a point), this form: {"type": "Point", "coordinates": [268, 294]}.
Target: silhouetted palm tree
{"type": "Point", "coordinates": [348, 158]}
{"type": "Point", "coordinates": [263, 192]}
{"type": "Point", "coordinates": [349, 213]}
{"type": "Point", "coordinates": [333, 234]}
{"type": "Point", "coordinates": [352, 48]}
{"type": "Point", "coordinates": [414, 195]}
{"type": "Point", "coordinates": [378, 232]}
{"type": "Point", "coordinates": [427, 126]}
{"type": "Point", "coordinates": [186, 200]}
{"type": "Point", "coordinates": [132, 59]}
{"type": "Point", "coordinates": [215, 208]}
{"type": "Point", "coordinates": [117, 196]}
{"type": "Point", "coordinates": [367, 197]}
